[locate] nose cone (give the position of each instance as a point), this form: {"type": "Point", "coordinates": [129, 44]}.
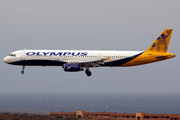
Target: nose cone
{"type": "Point", "coordinates": [6, 60]}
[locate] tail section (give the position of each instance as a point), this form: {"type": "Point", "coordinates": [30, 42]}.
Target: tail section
{"type": "Point", "coordinates": [156, 52]}
{"type": "Point", "coordinates": [162, 42]}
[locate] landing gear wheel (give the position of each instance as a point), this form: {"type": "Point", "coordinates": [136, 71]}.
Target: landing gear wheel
{"type": "Point", "coordinates": [22, 72]}
{"type": "Point", "coordinates": [23, 67]}
{"type": "Point", "coordinates": [88, 72]}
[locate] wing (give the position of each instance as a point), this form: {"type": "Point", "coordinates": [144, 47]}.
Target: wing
{"type": "Point", "coordinates": [93, 63]}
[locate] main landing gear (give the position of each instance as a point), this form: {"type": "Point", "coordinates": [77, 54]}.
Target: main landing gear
{"type": "Point", "coordinates": [22, 72]}
{"type": "Point", "coordinates": [88, 72]}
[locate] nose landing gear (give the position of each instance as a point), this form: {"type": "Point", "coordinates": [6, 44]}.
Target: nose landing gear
{"type": "Point", "coordinates": [22, 72]}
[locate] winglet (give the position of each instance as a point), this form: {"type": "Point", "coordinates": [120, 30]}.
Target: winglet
{"type": "Point", "coordinates": [108, 58]}
{"type": "Point", "coordinates": [162, 42]}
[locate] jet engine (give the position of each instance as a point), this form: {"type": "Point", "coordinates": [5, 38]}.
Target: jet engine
{"type": "Point", "coordinates": [72, 68]}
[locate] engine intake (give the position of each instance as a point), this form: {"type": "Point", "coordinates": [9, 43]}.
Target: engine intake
{"type": "Point", "coordinates": [72, 68]}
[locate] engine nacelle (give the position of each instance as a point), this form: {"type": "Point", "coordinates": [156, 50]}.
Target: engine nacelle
{"type": "Point", "coordinates": [72, 68]}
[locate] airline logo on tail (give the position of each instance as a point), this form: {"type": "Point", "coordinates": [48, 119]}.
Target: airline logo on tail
{"type": "Point", "coordinates": [162, 42]}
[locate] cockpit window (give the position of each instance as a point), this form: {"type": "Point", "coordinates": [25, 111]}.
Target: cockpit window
{"type": "Point", "coordinates": [13, 55]}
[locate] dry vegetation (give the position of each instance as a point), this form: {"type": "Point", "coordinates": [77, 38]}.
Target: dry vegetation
{"type": "Point", "coordinates": [14, 116]}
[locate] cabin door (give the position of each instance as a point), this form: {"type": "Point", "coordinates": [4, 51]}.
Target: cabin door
{"type": "Point", "coordinates": [57, 58]}
{"type": "Point", "coordinates": [144, 57]}
{"type": "Point", "coordinates": [22, 55]}
{"type": "Point", "coordinates": [99, 56]}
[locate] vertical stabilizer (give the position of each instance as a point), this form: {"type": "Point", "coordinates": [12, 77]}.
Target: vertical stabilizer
{"type": "Point", "coordinates": [162, 42]}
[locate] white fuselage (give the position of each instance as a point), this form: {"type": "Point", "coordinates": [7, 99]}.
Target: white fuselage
{"type": "Point", "coordinates": [59, 57]}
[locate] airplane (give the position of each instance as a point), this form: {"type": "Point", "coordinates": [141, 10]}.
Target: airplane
{"type": "Point", "coordinates": [78, 60]}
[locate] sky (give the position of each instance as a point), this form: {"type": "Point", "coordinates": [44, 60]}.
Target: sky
{"type": "Point", "coordinates": [89, 25]}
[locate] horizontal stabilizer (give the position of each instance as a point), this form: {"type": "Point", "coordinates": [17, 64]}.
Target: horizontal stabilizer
{"type": "Point", "coordinates": [163, 56]}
